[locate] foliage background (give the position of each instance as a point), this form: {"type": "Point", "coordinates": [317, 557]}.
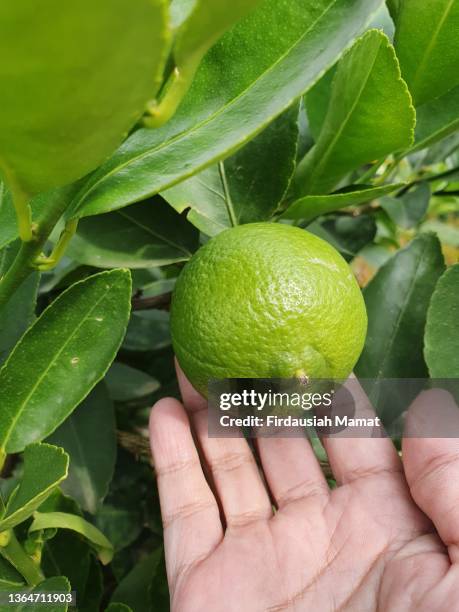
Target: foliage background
{"type": "Point", "coordinates": [364, 159]}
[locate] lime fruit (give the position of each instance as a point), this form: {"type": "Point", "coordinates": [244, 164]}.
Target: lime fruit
{"type": "Point", "coordinates": [267, 300]}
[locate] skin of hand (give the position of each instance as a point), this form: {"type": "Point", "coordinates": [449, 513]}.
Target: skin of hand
{"type": "Point", "coordinates": [241, 540]}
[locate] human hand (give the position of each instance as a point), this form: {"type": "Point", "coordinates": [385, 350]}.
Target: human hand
{"type": "Point", "coordinates": [387, 538]}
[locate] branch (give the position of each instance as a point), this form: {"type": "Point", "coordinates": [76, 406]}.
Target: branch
{"type": "Point", "coordinates": [157, 302]}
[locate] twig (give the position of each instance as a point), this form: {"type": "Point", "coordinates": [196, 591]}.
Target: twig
{"type": "Point", "coordinates": [157, 302]}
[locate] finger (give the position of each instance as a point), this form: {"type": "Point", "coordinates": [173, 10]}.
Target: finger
{"type": "Point", "coordinates": [292, 470]}
{"type": "Point", "coordinates": [369, 453]}
{"type": "Point", "coordinates": [432, 464]}
{"type": "Point", "coordinates": [234, 472]}
{"type": "Point", "coordinates": [192, 526]}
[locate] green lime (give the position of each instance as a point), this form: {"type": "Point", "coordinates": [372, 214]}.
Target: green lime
{"type": "Point", "coordinates": [267, 300]}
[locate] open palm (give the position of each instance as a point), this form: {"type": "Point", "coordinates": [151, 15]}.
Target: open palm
{"type": "Point", "coordinates": [385, 539]}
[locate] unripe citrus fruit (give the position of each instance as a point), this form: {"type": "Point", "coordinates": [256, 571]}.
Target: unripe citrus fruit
{"type": "Point", "coordinates": [267, 300]}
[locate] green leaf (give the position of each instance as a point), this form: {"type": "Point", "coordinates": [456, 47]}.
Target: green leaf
{"type": "Point", "coordinates": [427, 45]}
{"type": "Point", "coordinates": [122, 515]}
{"type": "Point", "coordinates": [61, 357]}
{"type": "Point", "coordinates": [206, 23]}
{"type": "Point", "coordinates": [369, 116]}
{"type": "Point", "coordinates": [56, 560]}
{"type": "Point", "coordinates": [125, 383]}
{"type": "Point", "coordinates": [90, 599]}
{"type": "Point", "coordinates": [246, 187]}
{"type": "Point", "coordinates": [409, 209]}
{"type": "Point", "coordinates": [140, 236]}
{"type": "Point", "coordinates": [283, 46]}
{"type": "Point", "coordinates": [147, 331]}
{"type": "Point", "coordinates": [62, 520]}
{"type": "Point", "coordinates": [71, 69]}
{"type": "Point", "coordinates": [397, 300]}
{"type": "Point", "coordinates": [441, 348]}
{"type": "Point", "coordinates": [135, 589]}
{"type": "Point", "coordinates": [437, 119]}
{"type": "Point", "coordinates": [346, 233]}
{"type": "Point", "coordinates": [203, 25]}
{"type": "Point", "coordinates": [19, 312]}
{"type": "Point", "coordinates": [118, 607]}
{"type": "Point", "coordinates": [312, 206]}
{"type": "Point", "coordinates": [317, 101]}
{"type": "Point", "coordinates": [179, 10]}
{"type": "Point", "coordinates": [9, 576]}
{"type": "Point", "coordinates": [45, 467]}
{"type": "Point", "coordinates": [57, 584]}
{"type": "Point", "coordinates": [448, 234]}
{"type": "Point", "coordinates": [88, 435]}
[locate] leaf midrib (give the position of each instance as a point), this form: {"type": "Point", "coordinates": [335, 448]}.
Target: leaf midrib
{"type": "Point", "coordinates": [184, 135]}
{"type": "Point", "coordinates": [47, 369]}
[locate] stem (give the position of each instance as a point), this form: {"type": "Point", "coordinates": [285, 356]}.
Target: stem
{"type": "Point", "coordinates": [47, 263]}
{"type": "Point", "coordinates": [23, 264]}
{"type": "Point", "coordinates": [175, 90]}
{"type": "Point", "coordinates": [21, 202]}
{"type": "Point", "coordinates": [15, 554]}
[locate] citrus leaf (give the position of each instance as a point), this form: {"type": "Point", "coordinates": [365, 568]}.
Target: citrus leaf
{"type": "Point", "coordinates": [369, 116]}
{"type": "Point", "coordinates": [88, 436]}
{"type": "Point", "coordinates": [203, 25]}
{"type": "Point", "coordinates": [49, 123]}
{"type": "Point", "coordinates": [125, 383]}
{"type": "Point", "coordinates": [61, 357]}
{"type": "Point", "coordinates": [135, 588]}
{"type": "Point", "coordinates": [312, 206]}
{"type": "Point", "coordinates": [317, 101]}
{"type": "Point", "coordinates": [140, 236]}
{"type": "Point", "coordinates": [63, 520]}
{"type": "Point", "coordinates": [207, 22]}
{"type": "Point", "coordinates": [409, 209]}
{"type": "Point", "coordinates": [9, 576]}
{"type": "Point", "coordinates": [394, 7]}
{"type": "Point", "coordinates": [427, 45]}
{"type": "Point", "coordinates": [246, 187]}
{"type": "Point", "coordinates": [179, 10]}
{"type": "Point", "coordinates": [19, 312]}
{"type": "Point", "coordinates": [448, 234]}
{"type": "Point", "coordinates": [45, 467]}
{"type": "Point", "coordinates": [397, 300]}
{"type": "Point", "coordinates": [346, 233]}
{"type": "Point", "coordinates": [56, 584]}
{"type": "Point", "coordinates": [441, 348]}
{"type": "Point", "coordinates": [90, 599]}
{"type": "Point", "coordinates": [147, 331]}
{"type": "Point", "coordinates": [56, 560]}
{"type": "Point", "coordinates": [118, 607]}
{"type": "Point", "coordinates": [437, 119]}
{"type": "Point", "coordinates": [283, 46]}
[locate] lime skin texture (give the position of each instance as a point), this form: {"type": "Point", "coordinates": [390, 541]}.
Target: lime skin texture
{"type": "Point", "coordinates": [267, 300]}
